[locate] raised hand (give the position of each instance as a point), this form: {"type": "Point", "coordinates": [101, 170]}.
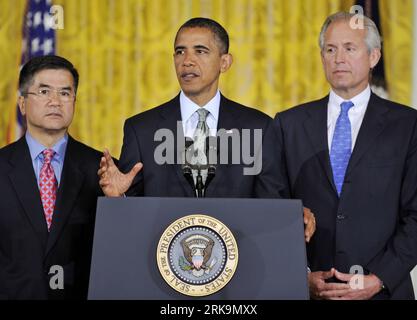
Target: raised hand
{"type": "Point", "coordinates": [113, 182]}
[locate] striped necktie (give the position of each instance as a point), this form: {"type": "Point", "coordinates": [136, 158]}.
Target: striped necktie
{"type": "Point", "coordinates": [200, 134]}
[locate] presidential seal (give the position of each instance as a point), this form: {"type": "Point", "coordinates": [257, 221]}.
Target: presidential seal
{"type": "Point", "coordinates": [197, 255]}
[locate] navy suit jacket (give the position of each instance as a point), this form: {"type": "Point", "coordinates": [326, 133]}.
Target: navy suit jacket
{"type": "Point", "coordinates": [374, 222]}
{"type": "Point", "coordinates": [27, 249]}
{"type": "Point", "coordinates": [167, 180]}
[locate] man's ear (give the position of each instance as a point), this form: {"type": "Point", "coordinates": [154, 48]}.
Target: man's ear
{"type": "Point", "coordinates": [22, 105]}
{"type": "Point", "coordinates": [322, 57]}
{"type": "Point", "coordinates": [374, 57]}
{"type": "Point", "coordinates": [226, 62]}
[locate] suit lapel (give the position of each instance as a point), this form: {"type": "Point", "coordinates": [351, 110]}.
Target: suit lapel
{"type": "Point", "coordinates": [22, 178]}
{"type": "Point", "coordinates": [227, 116]}
{"type": "Point", "coordinates": [228, 120]}
{"type": "Point", "coordinates": [372, 125]}
{"type": "Point", "coordinates": [71, 182]}
{"type": "Point", "coordinates": [170, 115]}
{"type": "Point", "coordinates": [316, 129]}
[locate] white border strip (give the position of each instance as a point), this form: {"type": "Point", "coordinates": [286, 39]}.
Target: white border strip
{"type": "Point", "coordinates": [414, 87]}
{"type": "Point", "coordinates": [414, 105]}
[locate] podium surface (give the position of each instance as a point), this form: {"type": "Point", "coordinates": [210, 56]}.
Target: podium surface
{"type": "Point", "coordinates": [269, 235]}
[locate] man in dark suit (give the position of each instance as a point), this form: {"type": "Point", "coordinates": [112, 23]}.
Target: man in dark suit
{"type": "Point", "coordinates": [201, 55]}
{"type": "Point", "coordinates": [49, 188]}
{"type": "Point", "coordinates": [352, 158]}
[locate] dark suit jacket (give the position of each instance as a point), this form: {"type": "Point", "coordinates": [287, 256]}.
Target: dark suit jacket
{"type": "Point", "coordinates": [27, 250]}
{"type": "Point", "coordinates": [374, 223]}
{"type": "Point", "coordinates": [167, 180]}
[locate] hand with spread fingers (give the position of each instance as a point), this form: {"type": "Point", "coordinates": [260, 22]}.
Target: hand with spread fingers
{"type": "Point", "coordinates": [310, 223]}
{"type": "Point", "coordinates": [113, 182]}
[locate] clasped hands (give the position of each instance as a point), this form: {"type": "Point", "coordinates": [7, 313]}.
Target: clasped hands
{"type": "Point", "coordinates": [350, 287]}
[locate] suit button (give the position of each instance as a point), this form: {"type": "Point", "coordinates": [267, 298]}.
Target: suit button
{"type": "Point", "coordinates": [341, 217]}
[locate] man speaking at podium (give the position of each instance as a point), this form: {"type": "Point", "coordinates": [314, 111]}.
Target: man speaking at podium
{"type": "Point", "coordinates": [201, 54]}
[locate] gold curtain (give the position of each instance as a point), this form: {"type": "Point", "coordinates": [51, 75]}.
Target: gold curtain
{"type": "Point", "coordinates": [123, 50]}
{"type": "Point", "coordinates": [11, 17]}
{"type": "Point", "coordinates": [397, 30]}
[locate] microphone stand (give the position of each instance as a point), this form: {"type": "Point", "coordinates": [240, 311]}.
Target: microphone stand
{"type": "Point", "coordinates": [199, 184]}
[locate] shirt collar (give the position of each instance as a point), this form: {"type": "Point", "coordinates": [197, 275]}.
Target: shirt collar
{"type": "Point", "coordinates": [359, 101]}
{"type": "Point", "coordinates": [188, 107]}
{"type": "Point", "coordinates": [36, 148]}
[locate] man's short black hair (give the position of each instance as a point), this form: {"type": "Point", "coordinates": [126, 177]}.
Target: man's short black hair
{"type": "Point", "coordinates": [219, 32]}
{"type": "Point", "coordinates": [37, 64]}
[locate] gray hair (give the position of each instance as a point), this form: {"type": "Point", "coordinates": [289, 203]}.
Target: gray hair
{"type": "Point", "coordinates": [372, 38]}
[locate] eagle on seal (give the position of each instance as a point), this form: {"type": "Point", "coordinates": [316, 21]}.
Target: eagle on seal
{"type": "Point", "coordinates": [197, 251]}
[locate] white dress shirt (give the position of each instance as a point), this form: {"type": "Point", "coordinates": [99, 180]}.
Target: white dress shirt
{"type": "Point", "coordinates": [356, 113]}
{"type": "Point", "coordinates": [189, 114]}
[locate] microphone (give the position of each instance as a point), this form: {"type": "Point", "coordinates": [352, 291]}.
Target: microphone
{"type": "Point", "coordinates": [211, 173]}
{"type": "Point", "coordinates": [212, 153]}
{"type": "Point", "coordinates": [186, 168]}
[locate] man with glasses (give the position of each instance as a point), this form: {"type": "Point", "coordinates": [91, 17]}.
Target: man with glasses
{"type": "Point", "coordinates": [49, 189]}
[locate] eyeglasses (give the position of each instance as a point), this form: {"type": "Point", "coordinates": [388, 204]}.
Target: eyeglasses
{"type": "Point", "coordinates": [63, 95]}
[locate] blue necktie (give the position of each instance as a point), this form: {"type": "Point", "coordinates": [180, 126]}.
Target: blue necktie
{"type": "Point", "coordinates": [341, 146]}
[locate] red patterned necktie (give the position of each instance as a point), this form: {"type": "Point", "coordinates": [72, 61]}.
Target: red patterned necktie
{"type": "Point", "coordinates": [48, 185]}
